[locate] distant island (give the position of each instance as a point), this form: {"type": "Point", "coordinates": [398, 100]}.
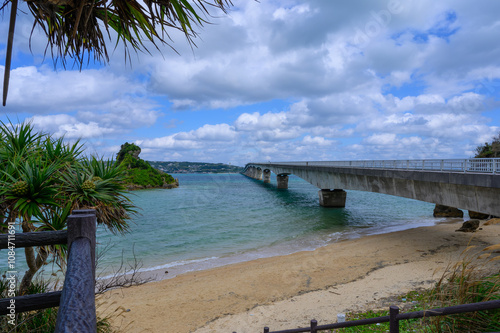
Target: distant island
{"type": "Point", "coordinates": [195, 167]}
{"type": "Point", "coordinates": [139, 174]}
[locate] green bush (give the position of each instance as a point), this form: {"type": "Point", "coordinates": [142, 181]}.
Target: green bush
{"type": "Point", "coordinates": [124, 151]}
{"type": "Point", "coordinates": [468, 281]}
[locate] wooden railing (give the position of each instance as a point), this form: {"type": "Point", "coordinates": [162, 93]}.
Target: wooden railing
{"type": "Point", "coordinates": [394, 317]}
{"type": "Point", "coordinates": [77, 299]}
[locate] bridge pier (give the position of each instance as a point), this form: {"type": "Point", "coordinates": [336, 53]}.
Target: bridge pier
{"type": "Point", "coordinates": [332, 198]}
{"type": "Point", "coordinates": [258, 174]}
{"type": "Point", "coordinates": [252, 172]}
{"type": "Point", "coordinates": [267, 175]}
{"type": "Point", "coordinates": [255, 173]}
{"type": "Point", "coordinates": [282, 180]}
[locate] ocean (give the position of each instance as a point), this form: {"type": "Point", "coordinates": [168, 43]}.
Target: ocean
{"type": "Point", "coordinates": [217, 219]}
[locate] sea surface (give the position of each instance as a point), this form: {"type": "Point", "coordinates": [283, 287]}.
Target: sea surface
{"type": "Point", "coordinates": [218, 219]}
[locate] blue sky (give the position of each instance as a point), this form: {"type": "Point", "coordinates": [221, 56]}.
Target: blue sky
{"type": "Point", "coordinates": [282, 80]}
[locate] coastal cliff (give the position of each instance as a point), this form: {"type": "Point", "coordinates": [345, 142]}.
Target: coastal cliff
{"type": "Point", "coordinates": [139, 173]}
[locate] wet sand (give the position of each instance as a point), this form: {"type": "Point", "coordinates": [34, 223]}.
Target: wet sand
{"type": "Point", "coordinates": [288, 291]}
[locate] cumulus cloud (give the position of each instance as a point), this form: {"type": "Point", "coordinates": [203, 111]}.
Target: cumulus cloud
{"type": "Point", "coordinates": [287, 80]}
{"type": "Point", "coordinates": [69, 127]}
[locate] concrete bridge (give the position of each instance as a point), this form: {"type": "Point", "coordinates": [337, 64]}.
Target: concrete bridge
{"type": "Point", "coordinates": [471, 184]}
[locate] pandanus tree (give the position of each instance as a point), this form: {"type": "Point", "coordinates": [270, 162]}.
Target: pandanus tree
{"type": "Point", "coordinates": [42, 179]}
{"type": "Point", "coordinates": [79, 30]}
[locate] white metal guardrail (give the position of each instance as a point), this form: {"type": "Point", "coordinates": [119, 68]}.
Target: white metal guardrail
{"type": "Point", "coordinates": [472, 165]}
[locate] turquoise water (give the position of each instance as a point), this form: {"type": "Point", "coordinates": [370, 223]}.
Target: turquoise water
{"type": "Point", "coordinates": [217, 219]}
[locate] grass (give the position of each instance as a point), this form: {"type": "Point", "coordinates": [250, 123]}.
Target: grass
{"type": "Point", "coordinates": [471, 280]}
{"type": "Point", "coordinates": [409, 302]}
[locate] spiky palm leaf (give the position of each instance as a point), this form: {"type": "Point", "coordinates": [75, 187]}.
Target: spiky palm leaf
{"type": "Point", "coordinates": [40, 193]}
{"type": "Point", "coordinates": [104, 169]}
{"type": "Point", "coordinates": [56, 150]}
{"type": "Point", "coordinates": [41, 181]}
{"type": "Point", "coordinates": [18, 140]}
{"type": "Point", "coordinates": [106, 196]}
{"type": "Point", "coordinates": [51, 220]}
{"type": "Point", "coordinates": [75, 28]}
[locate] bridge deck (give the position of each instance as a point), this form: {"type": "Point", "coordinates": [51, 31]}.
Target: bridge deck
{"type": "Point", "coordinates": [471, 184]}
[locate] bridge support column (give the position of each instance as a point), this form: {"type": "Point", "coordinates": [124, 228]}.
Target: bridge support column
{"type": "Point", "coordinates": [282, 181]}
{"type": "Point", "coordinates": [248, 172]}
{"type": "Point", "coordinates": [332, 198]}
{"type": "Point", "coordinates": [267, 176]}
{"type": "Point", "coordinates": [258, 174]}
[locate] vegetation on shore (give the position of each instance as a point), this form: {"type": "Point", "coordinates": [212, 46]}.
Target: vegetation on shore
{"type": "Point", "coordinates": [195, 167]}
{"type": "Point", "coordinates": [139, 173]}
{"type": "Point", "coordinates": [489, 149]}
{"type": "Point", "coordinates": [42, 180]}
{"type": "Point", "coordinates": [471, 280]}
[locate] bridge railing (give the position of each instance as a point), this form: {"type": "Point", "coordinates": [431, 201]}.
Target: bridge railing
{"type": "Point", "coordinates": [472, 165]}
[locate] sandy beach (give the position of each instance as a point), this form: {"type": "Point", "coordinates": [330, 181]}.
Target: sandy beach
{"type": "Point", "coordinates": [288, 291]}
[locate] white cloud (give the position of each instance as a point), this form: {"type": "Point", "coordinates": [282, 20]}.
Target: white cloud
{"type": "Point", "coordinates": [356, 80]}
{"type": "Point", "coordinates": [219, 132]}
{"type": "Point", "coordinates": [69, 127]}
{"type": "Point", "coordinates": [256, 121]}
{"type": "Point", "coordinates": [40, 90]}
{"type": "Point", "coordinates": [316, 141]}
{"type": "Point", "coordinates": [381, 139]}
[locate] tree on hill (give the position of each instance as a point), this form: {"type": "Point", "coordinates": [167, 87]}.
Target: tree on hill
{"type": "Point", "coordinates": [139, 172]}
{"type": "Point", "coordinates": [489, 149]}
{"type": "Point", "coordinates": [128, 148]}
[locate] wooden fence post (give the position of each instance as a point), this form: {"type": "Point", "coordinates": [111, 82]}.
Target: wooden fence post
{"type": "Point", "coordinates": [82, 223]}
{"type": "Point", "coordinates": [314, 324]}
{"type": "Point", "coordinates": [393, 321]}
{"type": "Point", "coordinates": [77, 307]}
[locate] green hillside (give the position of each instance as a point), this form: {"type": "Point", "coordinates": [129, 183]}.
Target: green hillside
{"type": "Point", "coordinates": [195, 167]}
{"type": "Point", "coordinates": [139, 173]}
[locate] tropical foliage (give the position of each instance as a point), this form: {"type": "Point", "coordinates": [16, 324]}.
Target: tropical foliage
{"type": "Point", "coordinates": [42, 179]}
{"type": "Point", "coordinates": [473, 279]}
{"type": "Point", "coordinates": [127, 148]}
{"type": "Point", "coordinates": [137, 171]}
{"type": "Point", "coordinates": [489, 149]}
{"type": "Point", "coordinates": [195, 167]}
{"type": "Point", "coordinates": [78, 29]}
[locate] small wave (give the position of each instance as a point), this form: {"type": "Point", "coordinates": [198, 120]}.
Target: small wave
{"type": "Point", "coordinates": [175, 264]}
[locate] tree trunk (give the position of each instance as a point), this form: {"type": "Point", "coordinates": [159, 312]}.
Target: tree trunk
{"type": "Point", "coordinates": [34, 265]}
{"type": "Point", "coordinates": [3, 212]}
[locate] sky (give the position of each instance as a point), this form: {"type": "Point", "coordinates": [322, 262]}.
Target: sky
{"type": "Point", "coordinates": [280, 80]}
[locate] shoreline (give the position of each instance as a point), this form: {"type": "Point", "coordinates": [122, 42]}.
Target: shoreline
{"type": "Point", "coordinates": [310, 243]}
{"type": "Point", "coordinates": [195, 299]}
